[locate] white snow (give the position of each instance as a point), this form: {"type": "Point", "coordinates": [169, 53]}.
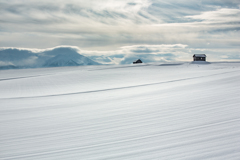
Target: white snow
{"type": "Point", "coordinates": [146, 111]}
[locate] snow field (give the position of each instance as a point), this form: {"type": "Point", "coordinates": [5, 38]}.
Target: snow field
{"type": "Point", "coordinates": [187, 111]}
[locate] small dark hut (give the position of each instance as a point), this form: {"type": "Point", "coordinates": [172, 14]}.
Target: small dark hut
{"type": "Point", "coordinates": [137, 61]}
{"type": "Point", "coordinates": [199, 57]}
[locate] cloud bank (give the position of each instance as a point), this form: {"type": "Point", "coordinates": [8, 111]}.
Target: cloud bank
{"type": "Point", "coordinates": [36, 58]}
{"type": "Point", "coordinates": [113, 25]}
{"type": "Point", "coordinates": [11, 58]}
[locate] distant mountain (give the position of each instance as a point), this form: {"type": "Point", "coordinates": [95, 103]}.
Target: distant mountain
{"type": "Point", "coordinates": [12, 58]}
{"type": "Point", "coordinates": [8, 67]}
{"type": "Point", "coordinates": [68, 58]}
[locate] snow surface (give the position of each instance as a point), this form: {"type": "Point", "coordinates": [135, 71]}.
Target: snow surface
{"type": "Point", "coordinates": [144, 111]}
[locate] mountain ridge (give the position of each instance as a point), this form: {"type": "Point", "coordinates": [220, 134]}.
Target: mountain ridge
{"type": "Point", "coordinates": [57, 57]}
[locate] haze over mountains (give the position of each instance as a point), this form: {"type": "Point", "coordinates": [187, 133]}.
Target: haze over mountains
{"type": "Point", "coordinates": [11, 58]}
{"type": "Point", "coordinates": [72, 55]}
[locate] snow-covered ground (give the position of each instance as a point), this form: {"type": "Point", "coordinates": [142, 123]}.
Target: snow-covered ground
{"type": "Point", "coordinates": [131, 112]}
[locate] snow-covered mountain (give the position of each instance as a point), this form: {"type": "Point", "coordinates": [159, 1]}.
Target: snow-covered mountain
{"type": "Point", "coordinates": [64, 57]}
{"type": "Point", "coordinates": [8, 67]}
{"type": "Point", "coordinates": [12, 58]}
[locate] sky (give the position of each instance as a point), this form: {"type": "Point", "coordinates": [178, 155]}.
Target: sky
{"type": "Point", "coordinates": [118, 31]}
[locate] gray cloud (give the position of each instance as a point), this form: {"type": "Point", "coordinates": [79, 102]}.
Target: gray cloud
{"type": "Point", "coordinates": [110, 25]}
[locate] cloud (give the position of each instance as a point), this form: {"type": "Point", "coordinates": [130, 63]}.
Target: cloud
{"type": "Point", "coordinates": [147, 53]}
{"type": "Point", "coordinates": [17, 57]}
{"type": "Point", "coordinates": [114, 25]}
{"type": "Point", "coordinates": [223, 15]}
{"type": "Point", "coordinates": [148, 58]}
{"type": "Point", "coordinates": [33, 57]}
{"type": "Point", "coordinates": [25, 57]}
{"type": "Point", "coordinates": [231, 57]}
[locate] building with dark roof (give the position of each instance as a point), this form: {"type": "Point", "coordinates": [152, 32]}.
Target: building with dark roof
{"type": "Point", "coordinates": [137, 61]}
{"type": "Point", "coordinates": [199, 57]}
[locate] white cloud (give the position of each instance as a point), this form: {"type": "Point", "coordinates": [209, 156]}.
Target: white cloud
{"type": "Point", "coordinates": [148, 53]}
{"type": "Point", "coordinates": [223, 15]}
{"type": "Point", "coordinates": [120, 26]}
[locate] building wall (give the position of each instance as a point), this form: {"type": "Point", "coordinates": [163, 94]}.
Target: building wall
{"type": "Point", "coordinates": [199, 58]}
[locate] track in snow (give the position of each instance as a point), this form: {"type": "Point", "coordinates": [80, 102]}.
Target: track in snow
{"type": "Point", "coordinates": [148, 112]}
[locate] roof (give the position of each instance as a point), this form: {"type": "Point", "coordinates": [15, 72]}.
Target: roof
{"type": "Point", "coordinates": [138, 60]}
{"type": "Point", "coordinates": [199, 55]}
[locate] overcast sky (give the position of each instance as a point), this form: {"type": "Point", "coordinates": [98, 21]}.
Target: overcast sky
{"type": "Point", "coordinates": [157, 30]}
